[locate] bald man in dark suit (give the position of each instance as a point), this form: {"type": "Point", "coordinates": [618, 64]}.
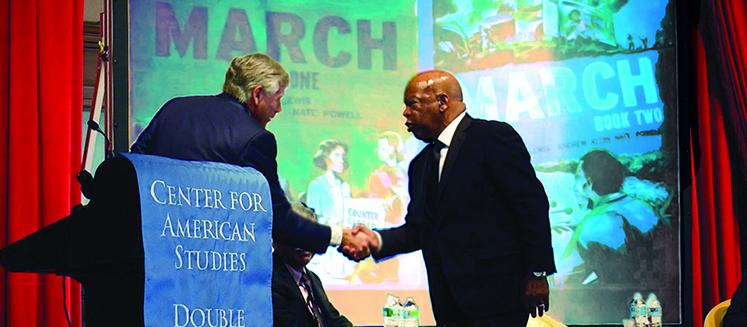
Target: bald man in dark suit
{"type": "Point", "coordinates": [477, 211]}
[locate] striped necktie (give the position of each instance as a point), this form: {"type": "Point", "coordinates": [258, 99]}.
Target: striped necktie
{"type": "Point", "coordinates": [305, 282]}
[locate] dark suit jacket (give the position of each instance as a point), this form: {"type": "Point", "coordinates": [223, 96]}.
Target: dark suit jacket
{"type": "Point", "coordinates": [736, 315]}
{"type": "Point", "coordinates": [219, 128]}
{"type": "Point", "coordinates": [490, 227]}
{"type": "Point", "coordinates": [288, 306]}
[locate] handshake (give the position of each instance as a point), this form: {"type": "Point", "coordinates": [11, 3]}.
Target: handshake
{"type": "Point", "coordinates": [358, 243]}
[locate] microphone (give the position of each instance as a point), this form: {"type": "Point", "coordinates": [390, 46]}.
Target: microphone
{"type": "Point", "coordinates": [84, 177]}
{"type": "Point", "coordinates": [94, 126]}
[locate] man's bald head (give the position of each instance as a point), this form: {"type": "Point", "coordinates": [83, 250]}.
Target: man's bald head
{"type": "Point", "coordinates": [433, 99]}
{"type": "Point", "coordinates": [438, 81]}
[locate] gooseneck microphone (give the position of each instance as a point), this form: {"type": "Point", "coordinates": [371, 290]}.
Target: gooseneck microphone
{"type": "Point", "coordinates": [84, 177]}
{"type": "Point", "coordinates": [94, 126]}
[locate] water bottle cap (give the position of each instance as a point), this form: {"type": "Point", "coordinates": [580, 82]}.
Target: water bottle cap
{"type": "Point", "coordinates": [392, 300]}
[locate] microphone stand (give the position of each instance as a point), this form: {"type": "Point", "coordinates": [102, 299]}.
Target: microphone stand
{"type": "Point", "coordinates": [84, 177]}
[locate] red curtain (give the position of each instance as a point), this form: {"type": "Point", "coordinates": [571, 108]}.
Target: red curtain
{"type": "Point", "coordinates": [41, 58]}
{"type": "Point", "coordinates": [718, 190]}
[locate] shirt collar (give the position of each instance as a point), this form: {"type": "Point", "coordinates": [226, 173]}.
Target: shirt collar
{"type": "Point", "coordinates": [294, 273]}
{"type": "Point", "coordinates": [448, 133]}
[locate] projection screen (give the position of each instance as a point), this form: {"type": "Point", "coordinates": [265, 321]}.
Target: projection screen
{"type": "Point", "coordinates": [586, 83]}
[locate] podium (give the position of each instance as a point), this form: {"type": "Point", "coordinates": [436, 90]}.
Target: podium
{"type": "Point", "coordinates": [99, 245]}
{"type": "Point", "coordinates": [162, 241]}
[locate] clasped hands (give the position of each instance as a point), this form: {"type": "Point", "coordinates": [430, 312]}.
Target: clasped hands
{"type": "Point", "coordinates": [358, 243]}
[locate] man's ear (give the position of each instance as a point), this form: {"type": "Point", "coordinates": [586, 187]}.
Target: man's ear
{"type": "Point", "coordinates": [443, 101]}
{"type": "Point", "coordinates": [257, 92]}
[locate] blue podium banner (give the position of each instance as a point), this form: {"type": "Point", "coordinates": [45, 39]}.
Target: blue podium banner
{"type": "Point", "coordinates": [207, 239]}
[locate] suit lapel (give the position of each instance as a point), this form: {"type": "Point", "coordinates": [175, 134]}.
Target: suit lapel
{"type": "Point", "coordinates": [318, 293]}
{"type": "Point", "coordinates": [453, 151]}
{"type": "Point", "coordinates": [291, 285]}
{"type": "Point", "coordinates": [422, 167]}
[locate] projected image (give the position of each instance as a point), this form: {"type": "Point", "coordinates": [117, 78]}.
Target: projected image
{"type": "Point", "coordinates": [327, 196]}
{"type": "Point", "coordinates": [479, 34]}
{"type": "Point", "coordinates": [614, 215]}
{"type": "Point", "coordinates": [381, 204]}
{"type": "Point", "coordinates": [387, 184]}
{"type": "Point", "coordinates": [612, 211]}
{"type": "Point", "coordinates": [588, 84]}
{"type": "Point", "coordinates": [612, 231]}
{"type": "Point", "coordinates": [342, 145]}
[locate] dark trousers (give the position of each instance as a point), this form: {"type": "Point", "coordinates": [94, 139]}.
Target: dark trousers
{"type": "Point", "coordinates": [448, 313]}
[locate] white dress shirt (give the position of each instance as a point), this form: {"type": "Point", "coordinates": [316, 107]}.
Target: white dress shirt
{"type": "Point", "coordinates": [445, 137]}
{"type": "Point", "coordinates": [297, 278]}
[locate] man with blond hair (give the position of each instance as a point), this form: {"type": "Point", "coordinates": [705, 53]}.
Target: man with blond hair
{"type": "Point", "coordinates": [230, 127]}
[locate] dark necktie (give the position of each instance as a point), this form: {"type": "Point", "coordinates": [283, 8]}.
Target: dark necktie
{"type": "Point", "coordinates": [432, 174]}
{"type": "Point", "coordinates": [437, 147]}
{"type": "Point", "coordinates": [311, 303]}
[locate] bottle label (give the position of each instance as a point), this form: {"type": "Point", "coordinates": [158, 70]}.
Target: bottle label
{"type": "Point", "coordinates": [388, 312]}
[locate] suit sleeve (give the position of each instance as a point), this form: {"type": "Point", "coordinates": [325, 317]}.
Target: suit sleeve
{"type": "Point", "coordinates": [405, 238]}
{"type": "Point", "coordinates": [287, 227]}
{"type": "Point", "coordinates": [515, 177]}
{"type": "Point", "coordinates": [736, 315]}
{"type": "Point", "coordinates": [144, 141]}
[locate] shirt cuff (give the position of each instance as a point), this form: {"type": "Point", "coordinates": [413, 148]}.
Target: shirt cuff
{"type": "Point", "coordinates": [381, 241]}
{"type": "Point", "coordinates": [335, 237]}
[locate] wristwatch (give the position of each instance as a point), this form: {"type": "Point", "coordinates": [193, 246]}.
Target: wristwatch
{"type": "Point", "coordinates": [540, 274]}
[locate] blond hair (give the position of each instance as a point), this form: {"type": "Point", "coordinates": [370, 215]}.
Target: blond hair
{"type": "Point", "coordinates": [252, 70]}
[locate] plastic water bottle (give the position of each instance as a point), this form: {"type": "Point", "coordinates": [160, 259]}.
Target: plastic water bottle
{"type": "Point", "coordinates": [654, 310]}
{"type": "Point", "coordinates": [392, 312]}
{"type": "Point", "coordinates": [410, 314]}
{"type": "Point", "coordinates": [398, 313]}
{"type": "Point", "coordinates": [638, 310]}
{"type": "Point", "coordinates": [636, 296]}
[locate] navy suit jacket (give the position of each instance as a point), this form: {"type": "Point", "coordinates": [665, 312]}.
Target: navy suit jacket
{"type": "Point", "coordinates": [288, 306]}
{"type": "Point", "coordinates": [219, 128]}
{"type": "Point", "coordinates": [489, 228]}
{"type": "Point", "coordinates": [736, 315]}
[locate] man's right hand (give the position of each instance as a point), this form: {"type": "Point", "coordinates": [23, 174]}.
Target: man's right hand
{"type": "Point", "coordinates": [373, 239]}
{"type": "Point", "coordinates": [354, 247]}
{"type": "Point", "coordinates": [360, 238]}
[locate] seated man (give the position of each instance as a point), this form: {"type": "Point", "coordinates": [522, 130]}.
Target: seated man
{"type": "Point", "coordinates": [298, 297]}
